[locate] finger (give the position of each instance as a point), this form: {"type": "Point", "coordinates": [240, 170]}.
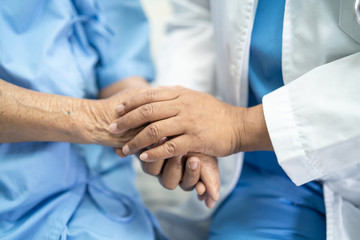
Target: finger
{"type": "Point", "coordinates": [201, 197]}
{"type": "Point", "coordinates": [152, 168]}
{"type": "Point", "coordinates": [148, 96]}
{"type": "Point", "coordinates": [152, 134]}
{"type": "Point", "coordinates": [142, 115]}
{"type": "Point", "coordinates": [172, 173]}
{"type": "Point", "coordinates": [161, 141]}
{"type": "Point", "coordinates": [119, 152]}
{"type": "Point", "coordinates": [174, 147]}
{"type": "Point", "coordinates": [200, 188]}
{"type": "Point", "coordinates": [210, 176]}
{"type": "Point", "coordinates": [191, 175]}
{"type": "Point", "coordinates": [210, 203]}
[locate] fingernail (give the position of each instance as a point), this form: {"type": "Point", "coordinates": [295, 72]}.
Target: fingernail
{"type": "Point", "coordinates": [193, 165]}
{"type": "Point", "coordinates": [113, 127]}
{"type": "Point", "coordinates": [125, 149]}
{"type": "Point", "coordinates": [120, 108]}
{"type": "Point", "coordinates": [144, 156]}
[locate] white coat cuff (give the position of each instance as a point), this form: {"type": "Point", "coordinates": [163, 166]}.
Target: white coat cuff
{"type": "Point", "coordinates": [285, 137]}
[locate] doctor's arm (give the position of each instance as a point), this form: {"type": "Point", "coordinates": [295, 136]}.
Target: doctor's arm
{"type": "Point", "coordinates": [196, 122]}
{"type": "Point", "coordinates": [314, 121]}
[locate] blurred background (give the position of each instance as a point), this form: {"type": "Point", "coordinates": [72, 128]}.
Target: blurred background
{"type": "Point", "coordinates": [158, 12]}
{"type": "Point", "coordinates": [153, 194]}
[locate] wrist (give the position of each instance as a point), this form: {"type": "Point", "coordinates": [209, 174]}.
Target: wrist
{"type": "Point", "coordinates": [238, 140]}
{"type": "Point", "coordinates": [131, 82]}
{"type": "Point", "coordinates": [94, 123]}
{"type": "Point", "coordinates": [255, 135]}
{"type": "Point", "coordinates": [77, 123]}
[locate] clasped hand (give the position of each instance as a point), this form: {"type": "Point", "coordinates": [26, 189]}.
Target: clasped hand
{"type": "Point", "coordinates": [189, 171]}
{"type": "Point", "coordinates": [190, 122]}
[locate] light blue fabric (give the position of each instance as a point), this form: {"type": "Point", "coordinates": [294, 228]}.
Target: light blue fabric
{"type": "Point", "coordinates": [265, 204]}
{"type": "Point", "coordinates": [52, 190]}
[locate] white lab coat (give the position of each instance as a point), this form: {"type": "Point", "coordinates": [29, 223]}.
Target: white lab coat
{"type": "Point", "coordinates": [313, 121]}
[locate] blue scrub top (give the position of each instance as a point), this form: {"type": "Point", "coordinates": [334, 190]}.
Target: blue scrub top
{"type": "Point", "coordinates": [265, 72]}
{"type": "Point", "coordinates": [52, 190]}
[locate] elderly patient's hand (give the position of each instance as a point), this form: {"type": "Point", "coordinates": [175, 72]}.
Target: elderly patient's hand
{"type": "Point", "coordinates": [192, 171]}
{"type": "Point", "coordinates": [103, 112]}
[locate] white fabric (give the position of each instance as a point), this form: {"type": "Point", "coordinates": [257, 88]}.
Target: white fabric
{"type": "Point", "coordinates": [313, 121]}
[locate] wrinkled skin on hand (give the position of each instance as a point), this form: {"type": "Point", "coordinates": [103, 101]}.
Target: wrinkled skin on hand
{"type": "Point", "coordinates": [103, 112]}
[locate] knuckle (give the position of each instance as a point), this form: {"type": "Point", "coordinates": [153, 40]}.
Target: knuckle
{"type": "Point", "coordinates": [170, 187]}
{"type": "Point", "coordinates": [146, 112]}
{"type": "Point", "coordinates": [210, 163]}
{"type": "Point", "coordinates": [215, 167]}
{"type": "Point", "coordinates": [186, 187]}
{"type": "Point", "coordinates": [170, 148]}
{"type": "Point", "coordinates": [151, 95]}
{"type": "Point", "coordinates": [153, 131]}
{"type": "Point", "coordinates": [152, 168]}
{"type": "Point", "coordinates": [145, 168]}
{"type": "Point", "coordinates": [166, 184]}
{"type": "Point", "coordinates": [128, 102]}
{"type": "Point", "coordinates": [178, 163]}
{"type": "Point", "coordinates": [133, 144]}
{"type": "Point", "coordinates": [123, 121]}
{"type": "Point", "coordinates": [128, 135]}
{"type": "Point", "coordinates": [153, 171]}
{"type": "Point", "coordinates": [214, 170]}
{"type": "Point", "coordinates": [188, 184]}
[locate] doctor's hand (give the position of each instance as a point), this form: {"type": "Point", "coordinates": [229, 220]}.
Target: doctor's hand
{"type": "Point", "coordinates": [194, 121]}
{"type": "Point", "coordinates": [192, 171]}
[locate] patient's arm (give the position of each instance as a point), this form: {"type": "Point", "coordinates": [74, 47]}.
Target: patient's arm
{"type": "Point", "coordinates": [27, 115]}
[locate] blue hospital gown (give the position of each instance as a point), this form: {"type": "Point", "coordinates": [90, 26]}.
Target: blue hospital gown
{"type": "Point", "coordinates": [52, 190]}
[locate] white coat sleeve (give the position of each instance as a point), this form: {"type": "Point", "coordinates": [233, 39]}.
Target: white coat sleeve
{"type": "Point", "coordinates": [187, 52]}
{"type": "Point", "coordinates": [314, 121]}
